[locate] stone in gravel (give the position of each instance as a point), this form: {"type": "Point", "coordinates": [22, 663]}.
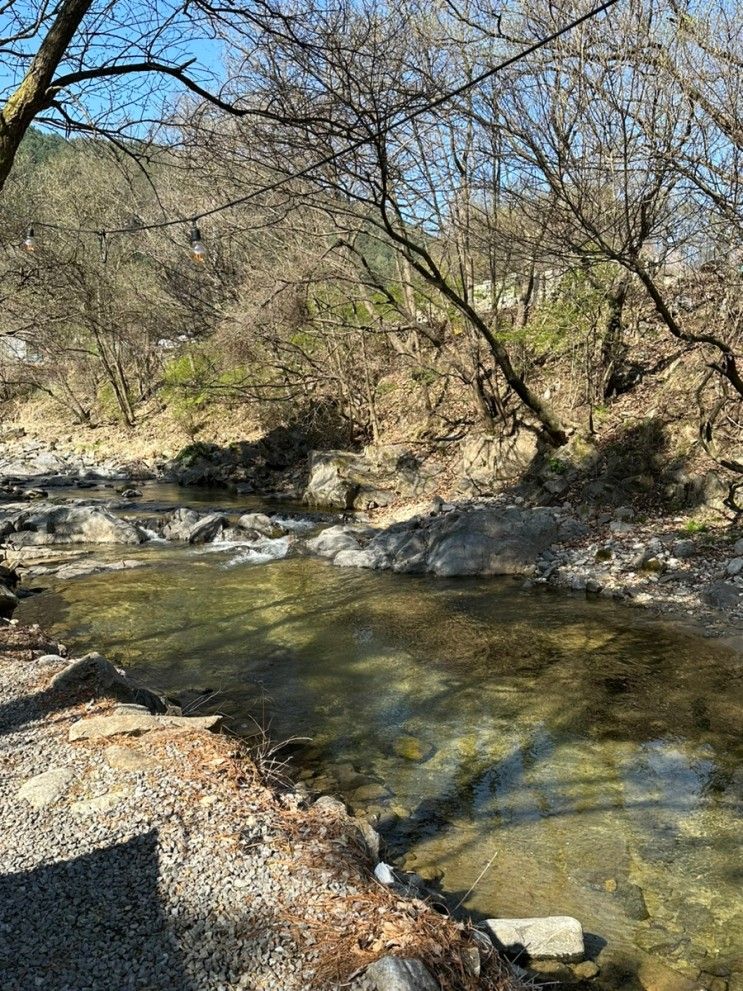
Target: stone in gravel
{"type": "Point", "coordinates": [99, 805]}
{"type": "Point", "coordinates": [129, 759]}
{"type": "Point", "coordinates": [558, 937]}
{"type": "Point", "coordinates": [735, 566]}
{"type": "Point", "coordinates": [738, 546]}
{"type": "Point", "coordinates": [46, 788]}
{"type": "Point", "coordinates": [102, 677]}
{"type": "Point", "coordinates": [684, 548]}
{"type": "Point", "coordinates": [400, 974]}
{"type": "Point", "coordinates": [722, 595]}
{"type": "Point", "coordinates": [133, 723]}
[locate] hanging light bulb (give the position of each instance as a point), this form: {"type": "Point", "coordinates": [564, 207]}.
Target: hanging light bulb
{"type": "Point", "coordinates": [198, 251]}
{"type": "Point", "coordinates": [29, 242]}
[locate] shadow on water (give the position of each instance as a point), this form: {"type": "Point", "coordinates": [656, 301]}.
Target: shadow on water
{"type": "Point", "coordinates": [588, 753]}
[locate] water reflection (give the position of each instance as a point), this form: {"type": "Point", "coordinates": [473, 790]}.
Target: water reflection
{"type": "Point", "coordinates": [590, 753]}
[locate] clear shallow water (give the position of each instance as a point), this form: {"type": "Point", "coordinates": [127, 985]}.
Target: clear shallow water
{"type": "Point", "coordinates": [592, 754]}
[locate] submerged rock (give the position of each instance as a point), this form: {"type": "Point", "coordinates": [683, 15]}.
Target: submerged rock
{"type": "Point", "coordinates": [557, 937]}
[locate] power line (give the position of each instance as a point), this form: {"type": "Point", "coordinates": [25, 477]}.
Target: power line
{"type": "Point", "coordinates": [354, 145]}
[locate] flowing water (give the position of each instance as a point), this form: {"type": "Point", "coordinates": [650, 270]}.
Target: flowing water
{"type": "Point", "coordinates": [589, 755]}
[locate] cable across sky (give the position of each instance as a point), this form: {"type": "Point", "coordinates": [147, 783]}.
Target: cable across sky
{"type": "Point", "coordinates": [349, 148]}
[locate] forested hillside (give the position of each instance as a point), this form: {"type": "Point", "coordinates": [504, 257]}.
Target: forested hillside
{"type": "Point", "coordinates": [558, 249]}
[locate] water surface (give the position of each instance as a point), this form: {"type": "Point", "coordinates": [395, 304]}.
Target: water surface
{"type": "Point", "coordinates": [590, 755]}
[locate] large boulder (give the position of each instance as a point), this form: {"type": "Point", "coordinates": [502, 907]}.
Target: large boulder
{"type": "Point", "coordinates": [489, 460]}
{"type": "Point", "coordinates": [378, 476]}
{"type": "Point", "coordinates": [476, 540]}
{"type": "Point", "coordinates": [72, 525]}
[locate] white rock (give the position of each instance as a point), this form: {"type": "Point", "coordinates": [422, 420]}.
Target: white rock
{"type": "Point", "coordinates": [47, 788]}
{"type": "Point", "coordinates": [383, 873]}
{"type": "Point", "coordinates": [557, 937]}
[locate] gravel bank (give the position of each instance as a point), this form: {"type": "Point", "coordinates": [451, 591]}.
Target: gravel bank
{"type": "Point", "coordinates": [163, 862]}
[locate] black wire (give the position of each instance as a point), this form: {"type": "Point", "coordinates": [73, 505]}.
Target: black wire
{"type": "Point", "coordinates": [355, 145]}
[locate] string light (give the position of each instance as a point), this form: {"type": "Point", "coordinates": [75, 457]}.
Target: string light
{"type": "Point", "coordinates": [198, 251]}
{"type": "Point", "coordinates": [29, 242]}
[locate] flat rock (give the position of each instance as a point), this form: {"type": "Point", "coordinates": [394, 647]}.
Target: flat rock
{"type": "Point", "coordinates": [46, 788]}
{"type": "Point", "coordinates": [98, 805]}
{"type": "Point", "coordinates": [557, 937]}
{"type": "Point", "coordinates": [129, 759]}
{"type": "Point", "coordinates": [134, 723]}
{"type": "Point", "coordinates": [400, 974]}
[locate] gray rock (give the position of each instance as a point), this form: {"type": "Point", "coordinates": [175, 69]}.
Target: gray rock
{"type": "Point", "coordinates": [383, 874]}
{"type": "Point", "coordinates": [735, 566]}
{"type": "Point", "coordinates": [73, 525]}
{"type": "Point", "coordinates": [356, 559]}
{"type": "Point", "coordinates": [400, 974]}
{"type": "Point", "coordinates": [257, 521]}
{"type": "Point", "coordinates": [97, 676]}
{"type": "Point", "coordinates": [328, 484]}
{"type": "Point", "coordinates": [46, 788]}
{"type": "Point", "coordinates": [180, 524]}
{"type": "Point", "coordinates": [207, 529]}
{"type": "Point", "coordinates": [738, 547]}
{"type": "Point", "coordinates": [333, 540]}
{"type": "Point", "coordinates": [8, 602]}
{"type": "Point", "coordinates": [127, 722]}
{"type": "Point", "coordinates": [722, 595]}
{"type": "Point", "coordinates": [684, 548]}
{"type": "Point", "coordinates": [191, 527]}
{"type": "Point", "coordinates": [558, 937]}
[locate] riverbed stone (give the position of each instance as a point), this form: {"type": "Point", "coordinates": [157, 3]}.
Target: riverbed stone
{"type": "Point", "coordinates": [73, 525]}
{"type": "Point", "coordinates": [370, 793]}
{"type": "Point", "coordinates": [333, 540]}
{"type": "Point", "coordinates": [257, 521]}
{"type": "Point", "coordinates": [207, 528]}
{"type": "Point", "coordinates": [558, 937]}
{"type": "Point", "coordinates": [128, 722]}
{"type": "Point", "coordinates": [412, 748]}
{"type": "Point", "coordinates": [46, 788]}
{"type": "Point", "coordinates": [656, 976]}
{"type": "Point", "coordinates": [399, 974]}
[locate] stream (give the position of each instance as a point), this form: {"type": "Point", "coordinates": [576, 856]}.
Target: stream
{"type": "Point", "coordinates": [535, 753]}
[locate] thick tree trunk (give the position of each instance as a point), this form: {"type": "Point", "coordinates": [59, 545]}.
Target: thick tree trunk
{"type": "Point", "coordinates": [32, 95]}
